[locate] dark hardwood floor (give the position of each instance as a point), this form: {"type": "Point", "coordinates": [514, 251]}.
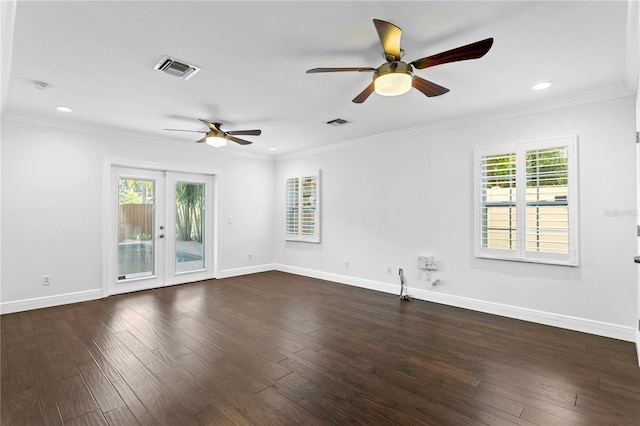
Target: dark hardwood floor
{"type": "Point", "coordinates": [275, 348]}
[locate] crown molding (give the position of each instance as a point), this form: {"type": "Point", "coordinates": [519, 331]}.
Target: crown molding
{"type": "Point", "coordinates": [597, 95]}
{"type": "Point", "coordinates": [576, 99]}
{"type": "Point", "coordinates": [75, 126]}
{"type": "Point", "coordinates": [632, 57]}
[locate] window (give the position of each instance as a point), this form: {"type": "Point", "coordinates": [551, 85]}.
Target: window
{"type": "Point", "coordinates": [527, 202]}
{"type": "Point", "coordinates": [302, 207]}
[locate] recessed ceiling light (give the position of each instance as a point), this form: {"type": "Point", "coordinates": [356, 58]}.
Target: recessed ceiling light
{"type": "Point", "coordinates": [272, 148]}
{"type": "Point", "coordinates": [63, 109]}
{"type": "Point", "coordinates": [543, 85]}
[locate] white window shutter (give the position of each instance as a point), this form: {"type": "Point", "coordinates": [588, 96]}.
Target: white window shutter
{"type": "Point", "coordinates": [527, 202]}
{"type": "Point", "coordinates": [302, 207]}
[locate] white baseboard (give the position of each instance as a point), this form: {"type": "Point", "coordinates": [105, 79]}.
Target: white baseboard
{"type": "Point", "coordinates": [83, 296]}
{"type": "Point", "coordinates": [228, 273]}
{"type": "Point", "coordinates": [49, 301]}
{"type": "Point", "coordinates": [599, 328]}
{"type": "Point", "coordinates": [342, 279]}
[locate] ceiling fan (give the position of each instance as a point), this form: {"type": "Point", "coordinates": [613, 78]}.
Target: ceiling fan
{"type": "Point", "coordinates": [396, 77]}
{"type": "Point", "coordinates": [217, 137]}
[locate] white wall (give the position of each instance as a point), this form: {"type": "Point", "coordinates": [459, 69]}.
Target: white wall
{"type": "Point", "coordinates": [384, 202]}
{"type": "Point", "coordinates": [52, 207]}
{"type": "Point", "coordinates": [391, 199]}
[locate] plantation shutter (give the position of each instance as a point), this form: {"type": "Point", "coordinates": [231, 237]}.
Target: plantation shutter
{"type": "Point", "coordinates": [547, 176]}
{"type": "Point", "coordinates": [292, 207]}
{"type": "Point", "coordinates": [498, 205]}
{"type": "Point", "coordinates": [302, 213]}
{"type": "Point", "coordinates": [527, 202]}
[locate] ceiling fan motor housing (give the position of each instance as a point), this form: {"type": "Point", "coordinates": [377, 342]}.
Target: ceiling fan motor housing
{"type": "Point", "coordinates": [216, 131]}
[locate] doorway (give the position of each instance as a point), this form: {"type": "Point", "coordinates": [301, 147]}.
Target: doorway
{"type": "Point", "coordinates": [161, 229]}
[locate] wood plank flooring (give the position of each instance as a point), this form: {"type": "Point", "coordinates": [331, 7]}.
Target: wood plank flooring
{"type": "Point", "coordinates": [275, 348]}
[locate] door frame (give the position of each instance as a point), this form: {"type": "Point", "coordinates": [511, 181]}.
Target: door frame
{"type": "Point", "coordinates": [108, 216]}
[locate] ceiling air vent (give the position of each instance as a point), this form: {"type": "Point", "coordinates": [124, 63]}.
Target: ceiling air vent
{"type": "Point", "coordinates": [337, 122]}
{"type": "Point", "coordinates": [174, 67]}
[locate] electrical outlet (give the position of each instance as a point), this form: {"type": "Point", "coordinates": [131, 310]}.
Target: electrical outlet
{"type": "Point", "coordinates": [250, 256]}
{"type": "Point", "coordinates": [346, 264]}
{"type": "Point", "coordinates": [389, 269]}
{"type": "Point", "coordinates": [419, 274]}
{"type": "Point", "coordinates": [422, 262]}
{"type": "Point", "coordinates": [46, 279]}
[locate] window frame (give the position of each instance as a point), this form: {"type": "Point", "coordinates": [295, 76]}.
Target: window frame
{"type": "Point", "coordinates": [301, 207]}
{"type": "Point", "coordinates": [520, 253]}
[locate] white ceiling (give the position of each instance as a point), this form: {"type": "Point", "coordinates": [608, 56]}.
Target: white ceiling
{"type": "Point", "coordinates": [98, 59]}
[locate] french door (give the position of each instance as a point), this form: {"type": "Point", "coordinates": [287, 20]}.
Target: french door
{"type": "Point", "coordinates": [161, 226]}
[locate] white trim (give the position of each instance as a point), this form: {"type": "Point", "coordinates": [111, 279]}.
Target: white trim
{"type": "Point", "coordinates": [154, 139]}
{"type": "Point", "coordinates": [49, 301]}
{"type": "Point", "coordinates": [598, 328]}
{"type": "Point", "coordinates": [8, 13]}
{"type": "Point", "coordinates": [596, 95]}
{"type": "Point", "coordinates": [341, 279]}
{"type": "Point", "coordinates": [228, 273]}
{"type": "Point", "coordinates": [583, 98]}
{"type": "Point", "coordinates": [632, 59]}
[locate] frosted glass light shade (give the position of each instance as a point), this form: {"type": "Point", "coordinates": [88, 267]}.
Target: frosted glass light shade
{"type": "Point", "coordinates": [393, 84]}
{"type": "Point", "coordinates": [216, 142]}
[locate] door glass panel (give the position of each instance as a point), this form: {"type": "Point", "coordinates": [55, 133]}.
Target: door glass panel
{"type": "Point", "coordinates": [135, 228]}
{"type": "Point", "coordinates": [189, 227]}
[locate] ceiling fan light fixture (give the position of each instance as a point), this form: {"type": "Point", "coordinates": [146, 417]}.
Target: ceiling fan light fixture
{"type": "Point", "coordinates": [393, 79]}
{"type": "Point", "coordinates": [216, 141]}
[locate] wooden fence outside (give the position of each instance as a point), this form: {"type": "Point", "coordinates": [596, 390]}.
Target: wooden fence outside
{"type": "Point", "coordinates": [134, 220]}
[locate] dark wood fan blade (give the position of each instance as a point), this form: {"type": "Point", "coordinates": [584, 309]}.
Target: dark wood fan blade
{"type": "Point", "coordinates": [316, 70]}
{"type": "Point", "coordinates": [245, 132]}
{"type": "Point", "coordinates": [470, 51]}
{"type": "Point", "coordinates": [389, 38]}
{"type": "Point", "coordinates": [427, 87]}
{"type": "Point", "coordinates": [238, 140]}
{"type": "Point", "coordinates": [180, 130]}
{"type": "Point", "coordinates": [364, 94]}
{"type": "Point", "coordinates": [203, 140]}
